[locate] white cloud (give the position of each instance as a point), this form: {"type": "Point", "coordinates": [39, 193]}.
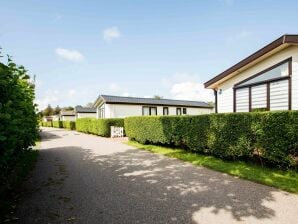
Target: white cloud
{"type": "Point", "coordinates": [187, 86]}
{"type": "Point", "coordinates": [111, 33]}
{"type": "Point", "coordinates": [125, 94]}
{"type": "Point", "coordinates": [71, 55]}
{"type": "Point", "coordinates": [191, 91]}
{"type": "Point", "coordinates": [50, 97]}
{"type": "Point", "coordinates": [114, 87]}
{"type": "Point", "coordinates": [71, 93]}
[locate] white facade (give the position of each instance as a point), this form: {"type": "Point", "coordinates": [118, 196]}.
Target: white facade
{"type": "Point", "coordinates": [279, 90]}
{"type": "Point", "coordinates": [126, 110]}
{"type": "Point", "coordinates": [84, 115]}
{"type": "Point", "coordinates": [68, 118]}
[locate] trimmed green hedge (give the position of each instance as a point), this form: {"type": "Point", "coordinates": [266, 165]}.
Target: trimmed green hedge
{"type": "Point", "coordinates": [270, 136]}
{"type": "Point", "coordinates": [71, 125]}
{"type": "Point", "coordinates": [47, 124]}
{"type": "Point", "coordinates": [57, 124]}
{"type": "Point", "coordinates": [98, 126]}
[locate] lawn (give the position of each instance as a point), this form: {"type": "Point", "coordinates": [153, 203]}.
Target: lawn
{"type": "Point", "coordinates": [285, 180]}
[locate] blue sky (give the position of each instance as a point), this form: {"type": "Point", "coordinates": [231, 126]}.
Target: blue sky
{"type": "Point", "coordinates": [80, 49]}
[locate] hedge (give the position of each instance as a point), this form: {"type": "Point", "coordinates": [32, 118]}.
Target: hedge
{"type": "Point", "coordinates": [98, 126]}
{"type": "Point", "coordinates": [57, 124]}
{"type": "Point", "coordinates": [71, 125]}
{"type": "Point", "coordinates": [47, 124]}
{"type": "Point", "coordinates": [272, 137]}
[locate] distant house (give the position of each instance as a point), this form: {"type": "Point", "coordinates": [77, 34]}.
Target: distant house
{"type": "Point", "coordinates": [118, 107]}
{"type": "Point", "coordinates": [266, 80]}
{"type": "Point", "coordinates": [67, 116]}
{"type": "Point", "coordinates": [82, 112]}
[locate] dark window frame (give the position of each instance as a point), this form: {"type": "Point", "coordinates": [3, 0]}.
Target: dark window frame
{"type": "Point", "coordinates": [267, 83]}
{"type": "Point", "coordinates": [165, 109]}
{"type": "Point", "coordinates": [178, 109]}
{"type": "Point", "coordinates": [150, 109]}
{"type": "Point", "coordinates": [184, 110]}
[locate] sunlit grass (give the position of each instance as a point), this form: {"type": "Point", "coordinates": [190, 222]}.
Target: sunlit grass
{"type": "Point", "coordinates": [285, 180]}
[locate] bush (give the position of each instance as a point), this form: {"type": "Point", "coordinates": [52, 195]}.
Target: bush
{"type": "Point", "coordinates": [271, 136]}
{"type": "Point", "coordinates": [70, 125]}
{"type": "Point", "coordinates": [57, 124]}
{"type": "Point", "coordinates": [47, 124]}
{"type": "Point", "coordinates": [100, 127]}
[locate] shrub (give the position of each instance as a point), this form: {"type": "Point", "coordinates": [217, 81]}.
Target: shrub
{"type": "Point", "coordinates": [47, 124]}
{"type": "Point", "coordinates": [71, 125]}
{"type": "Point", "coordinates": [57, 124]}
{"type": "Point", "coordinates": [98, 126]}
{"type": "Point", "coordinates": [272, 136]}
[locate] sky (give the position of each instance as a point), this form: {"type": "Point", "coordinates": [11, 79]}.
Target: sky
{"type": "Point", "coordinates": [81, 49]}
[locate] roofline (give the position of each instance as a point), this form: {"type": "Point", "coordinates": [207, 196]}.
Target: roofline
{"type": "Point", "coordinates": [101, 97]}
{"type": "Point", "coordinates": [285, 39]}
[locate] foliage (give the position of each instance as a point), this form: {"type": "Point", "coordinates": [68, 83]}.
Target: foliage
{"type": "Point", "coordinates": [48, 111]}
{"type": "Point", "coordinates": [71, 125]}
{"type": "Point", "coordinates": [47, 124]}
{"type": "Point", "coordinates": [270, 137]}
{"type": "Point", "coordinates": [18, 119]}
{"type": "Point", "coordinates": [98, 126]}
{"type": "Point", "coordinates": [57, 124]}
{"type": "Point", "coordinates": [285, 180]}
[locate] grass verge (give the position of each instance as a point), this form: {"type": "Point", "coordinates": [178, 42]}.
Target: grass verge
{"type": "Point", "coordinates": [10, 188]}
{"type": "Point", "coordinates": [285, 180]}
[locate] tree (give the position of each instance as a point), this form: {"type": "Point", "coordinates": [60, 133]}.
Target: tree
{"type": "Point", "coordinates": [69, 108]}
{"type": "Point", "coordinates": [57, 110]}
{"type": "Point", "coordinates": [90, 104]}
{"type": "Point", "coordinates": [157, 97]}
{"type": "Point", "coordinates": [48, 111]}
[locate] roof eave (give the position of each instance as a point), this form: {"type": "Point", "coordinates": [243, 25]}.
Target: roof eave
{"type": "Point", "coordinates": [284, 40]}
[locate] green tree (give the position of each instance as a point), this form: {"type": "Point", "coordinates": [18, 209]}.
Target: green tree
{"type": "Point", "coordinates": [48, 111]}
{"type": "Point", "coordinates": [157, 97]}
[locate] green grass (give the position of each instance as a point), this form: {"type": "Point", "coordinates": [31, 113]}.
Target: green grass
{"type": "Point", "coordinates": [285, 180]}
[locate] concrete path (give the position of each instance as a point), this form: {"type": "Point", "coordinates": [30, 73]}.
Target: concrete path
{"type": "Point", "coordinates": [87, 179]}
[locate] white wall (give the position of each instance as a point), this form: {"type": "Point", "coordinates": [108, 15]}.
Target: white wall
{"type": "Point", "coordinates": [83, 115]}
{"type": "Point", "coordinates": [125, 110]}
{"type": "Point", "coordinates": [225, 99]}
{"type": "Point", "coordinates": [68, 118]}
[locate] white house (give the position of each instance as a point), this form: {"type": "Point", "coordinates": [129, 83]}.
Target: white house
{"type": "Point", "coordinates": [67, 116]}
{"type": "Point", "coordinates": [118, 107]}
{"type": "Point", "coordinates": [82, 112]}
{"type": "Point", "coordinates": [265, 80]}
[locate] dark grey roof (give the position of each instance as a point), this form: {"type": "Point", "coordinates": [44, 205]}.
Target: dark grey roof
{"type": "Point", "coordinates": [67, 113]}
{"type": "Point", "coordinates": [152, 101]}
{"type": "Point", "coordinates": [80, 109]}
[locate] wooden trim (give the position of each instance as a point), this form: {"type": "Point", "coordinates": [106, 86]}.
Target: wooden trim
{"type": "Point", "coordinates": [264, 71]}
{"type": "Point", "coordinates": [234, 99]}
{"type": "Point", "coordinates": [249, 99]}
{"type": "Point", "coordinates": [290, 86]}
{"type": "Point", "coordinates": [268, 96]}
{"type": "Point", "coordinates": [215, 96]}
{"type": "Point", "coordinates": [263, 82]}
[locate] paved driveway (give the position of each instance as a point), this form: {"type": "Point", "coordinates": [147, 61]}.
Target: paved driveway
{"type": "Point", "coordinates": [87, 179]}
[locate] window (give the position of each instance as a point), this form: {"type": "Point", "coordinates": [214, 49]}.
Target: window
{"type": "Point", "coordinates": [149, 111]}
{"type": "Point", "coordinates": [267, 90]}
{"type": "Point", "coordinates": [184, 111]}
{"type": "Point", "coordinates": [101, 112]}
{"type": "Point", "coordinates": [165, 111]}
{"type": "Point", "coordinates": [178, 111]}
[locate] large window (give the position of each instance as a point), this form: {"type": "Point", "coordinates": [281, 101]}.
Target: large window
{"type": "Point", "coordinates": [267, 90]}
{"type": "Point", "coordinates": [149, 111]}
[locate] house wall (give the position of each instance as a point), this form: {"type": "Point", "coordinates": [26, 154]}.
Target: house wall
{"type": "Point", "coordinates": [68, 118]}
{"type": "Point", "coordinates": [225, 99]}
{"type": "Point", "coordinates": [125, 110]}
{"type": "Point", "coordinates": [83, 115]}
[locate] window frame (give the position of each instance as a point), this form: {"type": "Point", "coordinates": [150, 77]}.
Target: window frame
{"type": "Point", "coordinates": [165, 109]}
{"type": "Point", "coordinates": [267, 83]}
{"type": "Point", "coordinates": [178, 109]}
{"type": "Point", "coordinates": [150, 111]}
{"type": "Point", "coordinates": [184, 109]}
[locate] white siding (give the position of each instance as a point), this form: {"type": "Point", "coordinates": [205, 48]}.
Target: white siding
{"type": "Point", "coordinates": [242, 100]}
{"type": "Point", "coordinates": [68, 118]}
{"type": "Point", "coordinates": [279, 95]}
{"type": "Point", "coordinates": [125, 110]}
{"type": "Point", "coordinates": [225, 99]}
{"type": "Point", "coordinates": [259, 96]}
{"type": "Point", "coordinates": [83, 115]}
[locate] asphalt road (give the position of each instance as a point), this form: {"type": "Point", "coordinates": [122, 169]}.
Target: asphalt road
{"type": "Point", "coordinates": [82, 178]}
